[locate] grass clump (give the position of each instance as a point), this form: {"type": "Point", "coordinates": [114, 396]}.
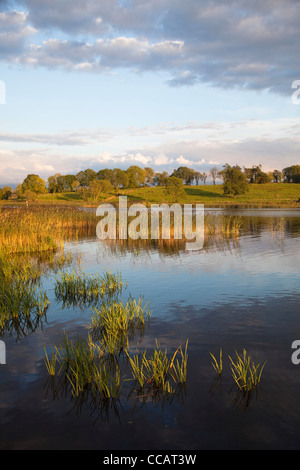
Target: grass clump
{"type": "Point", "coordinates": [84, 368]}
{"type": "Point", "coordinates": [217, 363]}
{"type": "Point", "coordinates": [116, 322]}
{"type": "Point", "coordinates": [73, 288]}
{"type": "Point", "coordinates": [159, 371]}
{"type": "Point", "coordinates": [246, 373]}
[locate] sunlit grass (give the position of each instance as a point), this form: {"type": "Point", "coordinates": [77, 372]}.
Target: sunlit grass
{"type": "Point", "coordinates": [246, 373]}
{"type": "Point", "coordinates": [39, 229]}
{"type": "Point", "coordinates": [73, 287]}
{"type": "Point", "coordinates": [217, 363]}
{"type": "Point", "coordinates": [159, 371]}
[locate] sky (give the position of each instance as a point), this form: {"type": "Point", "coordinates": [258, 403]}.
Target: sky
{"type": "Point", "coordinates": [159, 83]}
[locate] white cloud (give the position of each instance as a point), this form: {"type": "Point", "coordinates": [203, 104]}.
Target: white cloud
{"type": "Point", "coordinates": [244, 44]}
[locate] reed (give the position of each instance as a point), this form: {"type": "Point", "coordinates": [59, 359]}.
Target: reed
{"type": "Point", "coordinates": [73, 288]}
{"type": "Point", "coordinates": [159, 371]}
{"type": "Point", "coordinates": [39, 229]}
{"type": "Point", "coordinates": [83, 366]}
{"type": "Point", "coordinates": [246, 373]}
{"type": "Point", "coordinates": [116, 322]}
{"type": "Point", "coordinates": [217, 363]}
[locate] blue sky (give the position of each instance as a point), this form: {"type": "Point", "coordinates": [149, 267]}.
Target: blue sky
{"type": "Point", "coordinates": [160, 83]}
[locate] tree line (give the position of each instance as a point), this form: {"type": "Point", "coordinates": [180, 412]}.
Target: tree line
{"type": "Point", "coordinates": [90, 183]}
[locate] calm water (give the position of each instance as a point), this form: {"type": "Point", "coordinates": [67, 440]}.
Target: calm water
{"type": "Point", "coordinates": [236, 294]}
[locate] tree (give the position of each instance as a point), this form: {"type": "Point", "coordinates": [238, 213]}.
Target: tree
{"type": "Point", "coordinates": [292, 174]}
{"type": "Point", "coordinates": [136, 176]}
{"type": "Point", "coordinates": [184, 173]}
{"type": "Point", "coordinates": [214, 172]}
{"type": "Point", "coordinates": [234, 180]}
{"type": "Point", "coordinates": [278, 176]}
{"type": "Point", "coordinates": [256, 175]}
{"type": "Point", "coordinates": [204, 177]}
{"type": "Point", "coordinates": [5, 192]}
{"type": "Point", "coordinates": [197, 177]}
{"type": "Point", "coordinates": [105, 174]}
{"type": "Point", "coordinates": [69, 181]}
{"type": "Point", "coordinates": [149, 175]}
{"type": "Point", "coordinates": [96, 189]}
{"type": "Point", "coordinates": [174, 188]}
{"type": "Point", "coordinates": [160, 179]}
{"type": "Point", "coordinates": [55, 183]}
{"type": "Point", "coordinates": [34, 184]}
{"type": "Point", "coordinates": [120, 178]}
{"type": "Point", "coordinates": [86, 176]}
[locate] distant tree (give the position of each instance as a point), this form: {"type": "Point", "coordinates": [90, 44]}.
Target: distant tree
{"type": "Point", "coordinates": [149, 172]}
{"type": "Point", "coordinates": [234, 180]}
{"type": "Point", "coordinates": [96, 189]}
{"type": "Point", "coordinates": [34, 184]}
{"type": "Point", "coordinates": [5, 192]}
{"type": "Point", "coordinates": [160, 179]}
{"type": "Point", "coordinates": [204, 177]}
{"type": "Point", "coordinates": [75, 185]}
{"type": "Point", "coordinates": [105, 174]}
{"type": "Point", "coordinates": [214, 172]}
{"type": "Point", "coordinates": [257, 175]}
{"type": "Point", "coordinates": [292, 174]}
{"type": "Point", "coordinates": [184, 173]}
{"type": "Point", "coordinates": [119, 179]}
{"type": "Point", "coordinates": [136, 176]}
{"type": "Point", "coordinates": [278, 176]}
{"type": "Point", "coordinates": [86, 176]}
{"type": "Point", "coordinates": [55, 183]}
{"type": "Point", "coordinates": [68, 182]}
{"type": "Point", "coordinates": [197, 177]}
{"type": "Point", "coordinates": [174, 188]}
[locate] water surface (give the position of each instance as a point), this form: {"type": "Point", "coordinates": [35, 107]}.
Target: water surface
{"type": "Point", "coordinates": [234, 294]}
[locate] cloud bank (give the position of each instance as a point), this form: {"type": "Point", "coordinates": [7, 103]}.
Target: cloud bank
{"type": "Point", "coordinates": [250, 45]}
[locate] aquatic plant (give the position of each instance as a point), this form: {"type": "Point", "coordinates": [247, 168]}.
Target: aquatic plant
{"type": "Point", "coordinates": [39, 229]}
{"type": "Point", "coordinates": [217, 363]}
{"type": "Point", "coordinates": [159, 371]}
{"type": "Point", "coordinates": [73, 288]}
{"type": "Point", "coordinates": [84, 367]}
{"type": "Point", "coordinates": [116, 322]}
{"type": "Point", "coordinates": [246, 373]}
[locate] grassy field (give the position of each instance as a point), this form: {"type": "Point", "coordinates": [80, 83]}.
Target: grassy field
{"type": "Point", "coordinates": [259, 195]}
{"type": "Point", "coordinates": [262, 195]}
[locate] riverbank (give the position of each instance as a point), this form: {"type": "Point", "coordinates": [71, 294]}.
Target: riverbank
{"type": "Point", "coordinates": [271, 195]}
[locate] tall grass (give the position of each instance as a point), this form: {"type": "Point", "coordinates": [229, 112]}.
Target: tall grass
{"type": "Point", "coordinates": [23, 304]}
{"type": "Point", "coordinates": [39, 229]}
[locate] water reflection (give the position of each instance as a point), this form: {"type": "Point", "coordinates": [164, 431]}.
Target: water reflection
{"type": "Point", "coordinates": [237, 292]}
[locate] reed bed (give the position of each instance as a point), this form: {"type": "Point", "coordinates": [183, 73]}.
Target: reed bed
{"type": "Point", "coordinates": [46, 228]}
{"type": "Point", "coordinates": [40, 229]}
{"type": "Point", "coordinates": [23, 304]}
